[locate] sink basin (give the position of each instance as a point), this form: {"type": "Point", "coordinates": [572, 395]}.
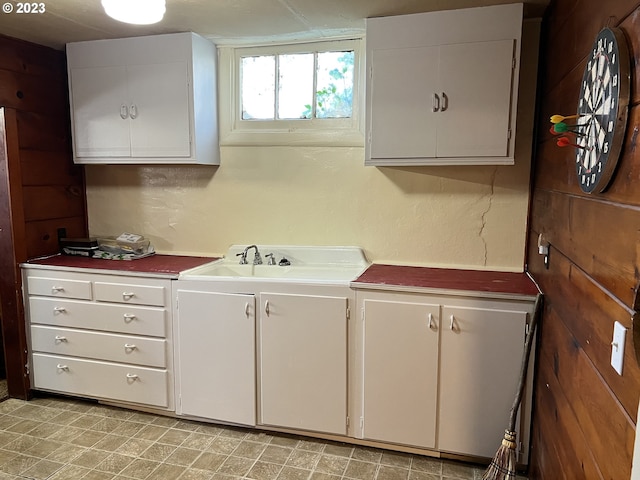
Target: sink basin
{"type": "Point", "coordinates": [308, 264]}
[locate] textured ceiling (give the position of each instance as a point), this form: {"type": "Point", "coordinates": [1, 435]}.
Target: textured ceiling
{"type": "Point", "coordinates": [225, 21]}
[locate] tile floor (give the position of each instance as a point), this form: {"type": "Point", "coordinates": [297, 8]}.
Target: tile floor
{"type": "Point", "coordinates": [60, 439]}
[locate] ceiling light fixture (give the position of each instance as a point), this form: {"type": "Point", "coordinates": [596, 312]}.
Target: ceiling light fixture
{"type": "Point", "coordinates": [139, 12]}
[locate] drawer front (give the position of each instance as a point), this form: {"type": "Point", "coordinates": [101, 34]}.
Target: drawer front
{"type": "Point", "coordinates": [150, 352]}
{"type": "Point", "coordinates": [126, 319]}
{"type": "Point", "coordinates": [129, 293]}
{"type": "Point", "coordinates": [101, 380]}
{"type": "Point", "coordinates": [56, 287]}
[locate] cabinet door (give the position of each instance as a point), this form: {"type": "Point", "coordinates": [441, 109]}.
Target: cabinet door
{"type": "Point", "coordinates": [400, 371]}
{"type": "Point", "coordinates": [403, 82]}
{"type": "Point", "coordinates": [100, 112]}
{"type": "Point", "coordinates": [476, 80]}
{"type": "Point", "coordinates": [303, 362]}
{"type": "Point", "coordinates": [216, 356]}
{"type": "Point", "coordinates": [481, 353]}
{"type": "Point", "coordinates": [159, 110]}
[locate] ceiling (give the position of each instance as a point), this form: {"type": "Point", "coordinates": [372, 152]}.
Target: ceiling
{"type": "Point", "coordinates": [225, 21]}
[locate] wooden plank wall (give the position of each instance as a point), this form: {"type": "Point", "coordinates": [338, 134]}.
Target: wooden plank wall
{"type": "Point", "coordinates": [43, 190]}
{"type": "Point", "coordinates": [584, 412]}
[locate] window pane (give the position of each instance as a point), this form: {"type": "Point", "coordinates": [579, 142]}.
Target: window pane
{"type": "Point", "coordinates": [295, 92]}
{"type": "Point", "coordinates": [334, 95]}
{"type": "Point", "coordinates": [258, 87]}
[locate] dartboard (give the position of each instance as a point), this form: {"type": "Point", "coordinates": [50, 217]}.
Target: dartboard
{"type": "Point", "coordinates": [602, 110]}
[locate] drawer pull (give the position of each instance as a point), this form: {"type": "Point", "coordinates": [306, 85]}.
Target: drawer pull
{"type": "Point", "coordinates": [266, 307]}
{"type": "Point", "coordinates": [64, 368]}
{"type": "Point", "coordinates": [128, 317]}
{"type": "Point", "coordinates": [131, 377]}
{"type": "Point", "coordinates": [60, 338]}
{"type": "Point", "coordinates": [57, 310]}
{"type": "Point", "coordinates": [128, 295]}
{"type": "Point", "coordinates": [129, 346]}
{"type": "Point", "coordinates": [56, 289]}
{"type": "Point", "coordinates": [452, 326]}
{"type": "Point", "coordinates": [247, 309]}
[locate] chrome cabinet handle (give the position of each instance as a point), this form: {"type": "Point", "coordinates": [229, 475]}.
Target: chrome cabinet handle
{"type": "Point", "coordinates": [60, 338]}
{"type": "Point", "coordinates": [128, 295]}
{"type": "Point", "coordinates": [436, 102]}
{"type": "Point", "coordinates": [128, 317]}
{"type": "Point", "coordinates": [432, 323]}
{"type": "Point", "coordinates": [133, 111]}
{"type": "Point", "coordinates": [247, 309]}
{"type": "Point", "coordinates": [56, 289]}
{"type": "Point", "coordinates": [124, 111]}
{"type": "Point", "coordinates": [452, 326]}
{"type": "Point", "coordinates": [59, 310]}
{"type": "Point", "coordinates": [129, 346]}
{"type": "Point", "coordinates": [445, 102]}
{"type": "Point", "coordinates": [62, 367]}
{"type": "Point", "coordinates": [266, 307]}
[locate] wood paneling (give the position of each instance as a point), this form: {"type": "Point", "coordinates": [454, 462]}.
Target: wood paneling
{"type": "Point", "coordinates": [43, 191]}
{"type": "Point", "coordinates": [585, 414]}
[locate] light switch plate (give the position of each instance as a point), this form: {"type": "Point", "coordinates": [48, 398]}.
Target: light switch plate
{"type": "Point", "coordinates": [617, 346]}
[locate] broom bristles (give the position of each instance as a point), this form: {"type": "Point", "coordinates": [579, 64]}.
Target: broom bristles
{"type": "Point", "coordinates": [503, 465]}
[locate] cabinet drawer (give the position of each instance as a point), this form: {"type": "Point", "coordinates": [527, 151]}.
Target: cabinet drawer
{"type": "Point", "coordinates": [129, 293]}
{"type": "Point", "coordinates": [101, 379]}
{"type": "Point", "coordinates": [150, 352]}
{"type": "Point", "coordinates": [56, 287]}
{"type": "Point", "coordinates": [134, 320]}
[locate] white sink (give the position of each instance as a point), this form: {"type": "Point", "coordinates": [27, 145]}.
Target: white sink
{"type": "Point", "coordinates": [308, 264]}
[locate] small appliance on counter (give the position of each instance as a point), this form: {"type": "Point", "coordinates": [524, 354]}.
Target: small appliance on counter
{"type": "Point", "coordinates": [84, 247]}
{"type": "Point", "coordinates": [127, 246]}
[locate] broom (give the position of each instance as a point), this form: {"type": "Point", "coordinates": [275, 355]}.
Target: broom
{"type": "Point", "coordinates": [503, 465]}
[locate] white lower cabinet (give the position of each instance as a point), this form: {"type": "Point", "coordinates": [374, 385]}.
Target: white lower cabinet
{"type": "Point", "coordinates": [481, 352]}
{"type": "Point", "coordinates": [303, 362]}
{"type": "Point", "coordinates": [86, 339]}
{"type": "Point", "coordinates": [440, 371]}
{"type": "Point", "coordinates": [400, 371]}
{"type": "Point", "coordinates": [215, 354]}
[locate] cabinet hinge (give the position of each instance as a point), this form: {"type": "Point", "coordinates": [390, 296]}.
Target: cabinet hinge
{"type": "Point", "coordinates": [348, 313]}
{"type": "Point", "coordinates": [348, 422]}
{"type": "Point", "coordinates": [27, 370]}
{"type": "Point", "coordinates": [513, 63]}
{"type": "Point", "coordinates": [177, 302]}
{"type": "Point", "coordinates": [509, 134]}
{"type": "Point", "coordinates": [361, 423]}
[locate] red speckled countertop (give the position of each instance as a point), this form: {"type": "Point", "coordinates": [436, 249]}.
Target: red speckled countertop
{"type": "Point", "coordinates": [421, 278]}
{"type": "Point", "coordinates": [165, 265]}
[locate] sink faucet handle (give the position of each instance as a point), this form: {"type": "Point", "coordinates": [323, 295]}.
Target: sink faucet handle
{"type": "Point", "coordinates": [243, 257]}
{"type": "Point", "coordinates": [272, 260]}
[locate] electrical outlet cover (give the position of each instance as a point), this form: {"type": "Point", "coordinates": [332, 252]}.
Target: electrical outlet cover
{"type": "Point", "coordinates": [617, 347]}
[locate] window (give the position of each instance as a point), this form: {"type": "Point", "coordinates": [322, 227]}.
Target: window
{"type": "Point", "coordinates": [305, 94]}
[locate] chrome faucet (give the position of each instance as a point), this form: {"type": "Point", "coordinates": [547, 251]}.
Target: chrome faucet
{"type": "Point", "coordinates": [257, 259]}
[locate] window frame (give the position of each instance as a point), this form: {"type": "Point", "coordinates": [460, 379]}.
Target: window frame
{"type": "Point", "coordinates": [317, 131]}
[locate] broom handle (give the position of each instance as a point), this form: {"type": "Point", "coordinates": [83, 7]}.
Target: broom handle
{"type": "Point", "coordinates": [525, 363]}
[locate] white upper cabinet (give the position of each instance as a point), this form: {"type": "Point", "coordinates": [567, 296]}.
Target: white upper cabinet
{"type": "Point", "coordinates": [442, 87]}
{"type": "Point", "coordinates": [144, 100]}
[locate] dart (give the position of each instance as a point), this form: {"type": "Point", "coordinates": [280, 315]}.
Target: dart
{"type": "Point", "coordinates": [566, 142]}
{"type": "Point", "coordinates": [560, 118]}
{"type": "Point", "coordinates": [562, 127]}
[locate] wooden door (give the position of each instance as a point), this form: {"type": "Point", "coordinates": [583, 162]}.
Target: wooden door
{"type": "Point", "coordinates": [480, 358]}
{"type": "Point", "coordinates": [403, 84]}
{"type": "Point", "coordinates": [216, 356]}
{"type": "Point", "coordinates": [159, 110]}
{"type": "Point", "coordinates": [400, 372]}
{"type": "Point", "coordinates": [303, 362]}
{"type": "Point", "coordinates": [101, 103]}
{"type": "Point", "coordinates": [476, 79]}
